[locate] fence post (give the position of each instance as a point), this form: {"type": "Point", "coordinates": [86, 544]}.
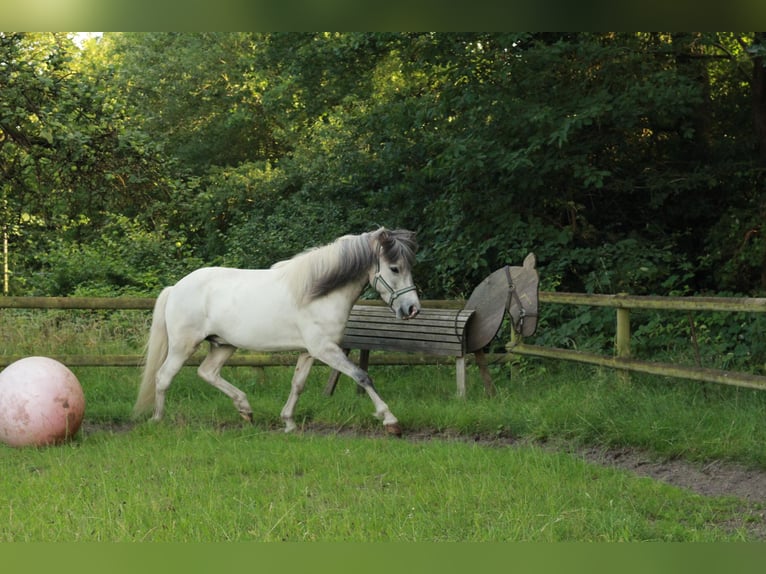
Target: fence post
{"type": "Point", "coordinates": [5, 262]}
{"type": "Point", "coordinates": [622, 342]}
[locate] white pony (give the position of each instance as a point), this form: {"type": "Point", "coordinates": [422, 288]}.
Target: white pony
{"type": "Point", "coordinates": [299, 304]}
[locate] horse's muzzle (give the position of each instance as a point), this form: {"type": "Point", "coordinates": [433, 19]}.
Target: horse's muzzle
{"type": "Point", "coordinates": [410, 313]}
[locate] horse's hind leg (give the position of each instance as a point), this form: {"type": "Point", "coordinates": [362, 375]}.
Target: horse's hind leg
{"type": "Point", "coordinates": [210, 371]}
{"type": "Point", "coordinates": [302, 370]}
{"type": "Point", "coordinates": [173, 363]}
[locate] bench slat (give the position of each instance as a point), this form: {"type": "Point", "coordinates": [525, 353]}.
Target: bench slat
{"type": "Point", "coordinates": [358, 331]}
{"type": "Point", "coordinates": [425, 315]}
{"type": "Point", "coordinates": [454, 327]}
{"type": "Point", "coordinates": [359, 312]}
{"type": "Point", "coordinates": [450, 330]}
{"type": "Point", "coordinates": [406, 345]}
{"type": "Point", "coordinates": [354, 334]}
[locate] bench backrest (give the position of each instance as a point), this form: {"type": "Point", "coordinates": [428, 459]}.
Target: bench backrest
{"type": "Point", "coordinates": [433, 331]}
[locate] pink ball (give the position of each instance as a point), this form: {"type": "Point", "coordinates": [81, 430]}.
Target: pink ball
{"type": "Point", "coordinates": [41, 403]}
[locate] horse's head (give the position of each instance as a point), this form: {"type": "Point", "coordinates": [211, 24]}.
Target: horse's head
{"type": "Point", "coordinates": [522, 304]}
{"type": "Point", "coordinates": [391, 276]}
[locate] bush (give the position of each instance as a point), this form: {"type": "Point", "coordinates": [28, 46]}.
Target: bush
{"type": "Point", "coordinates": [124, 259]}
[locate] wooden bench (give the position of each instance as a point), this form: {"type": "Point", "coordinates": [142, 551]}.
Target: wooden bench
{"type": "Point", "coordinates": [449, 332]}
{"type": "Point", "coordinates": [438, 332]}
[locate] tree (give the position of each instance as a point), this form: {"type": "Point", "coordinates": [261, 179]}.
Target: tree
{"type": "Point", "coordinates": [757, 50]}
{"type": "Point", "coordinates": [198, 93]}
{"type": "Point", "coordinates": [67, 160]}
{"type": "Point", "coordinates": [626, 161]}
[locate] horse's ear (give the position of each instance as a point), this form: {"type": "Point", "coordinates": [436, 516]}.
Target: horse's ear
{"type": "Point", "coordinates": [384, 236]}
{"type": "Point", "coordinates": [530, 261]}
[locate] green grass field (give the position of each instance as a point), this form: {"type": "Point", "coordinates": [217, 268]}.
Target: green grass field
{"type": "Point", "coordinates": [203, 474]}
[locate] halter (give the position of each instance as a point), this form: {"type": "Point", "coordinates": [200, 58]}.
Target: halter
{"type": "Point", "coordinates": [517, 326]}
{"type": "Point", "coordinates": [394, 294]}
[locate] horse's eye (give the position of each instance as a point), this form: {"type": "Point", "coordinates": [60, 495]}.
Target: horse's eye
{"type": "Point", "coordinates": [394, 270]}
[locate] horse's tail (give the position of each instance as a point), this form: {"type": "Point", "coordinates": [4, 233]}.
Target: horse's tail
{"type": "Point", "coordinates": [156, 352]}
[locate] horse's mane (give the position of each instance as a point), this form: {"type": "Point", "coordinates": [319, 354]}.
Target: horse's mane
{"type": "Point", "coordinates": [319, 271]}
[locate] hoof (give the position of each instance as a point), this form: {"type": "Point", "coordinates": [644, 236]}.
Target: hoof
{"type": "Point", "coordinates": [247, 416]}
{"type": "Point", "coordinates": [393, 429]}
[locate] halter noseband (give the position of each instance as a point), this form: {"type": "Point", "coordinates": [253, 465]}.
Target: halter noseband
{"type": "Point", "coordinates": [512, 294]}
{"type": "Point", "coordinates": [394, 294]}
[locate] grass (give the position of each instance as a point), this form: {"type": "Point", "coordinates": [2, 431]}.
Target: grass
{"type": "Point", "coordinates": [204, 475]}
{"type": "Point", "coordinates": [165, 483]}
{"type": "Point", "coordinates": [73, 331]}
{"type": "Point", "coordinates": [545, 401]}
{"type": "Point", "coordinates": [536, 399]}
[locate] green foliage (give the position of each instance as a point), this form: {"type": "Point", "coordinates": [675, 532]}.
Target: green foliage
{"type": "Point", "coordinates": [625, 161]}
{"type": "Point", "coordinates": [730, 341]}
{"type": "Point", "coordinates": [718, 340]}
{"type": "Point", "coordinates": [54, 332]}
{"type": "Point", "coordinates": [204, 103]}
{"type": "Point", "coordinates": [125, 259]}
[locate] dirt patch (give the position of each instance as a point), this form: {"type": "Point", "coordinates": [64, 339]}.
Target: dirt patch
{"type": "Point", "coordinates": [716, 478]}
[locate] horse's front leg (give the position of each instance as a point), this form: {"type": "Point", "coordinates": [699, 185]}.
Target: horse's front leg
{"type": "Point", "coordinates": [302, 370]}
{"type": "Point", "coordinates": [334, 357]}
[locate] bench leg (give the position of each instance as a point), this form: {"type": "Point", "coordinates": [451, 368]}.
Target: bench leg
{"type": "Point", "coordinates": [489, 386]}
{"type": "Point", "coordinates": [460, 374]}
{"type": "Point", "coordinates": [332, 380]}
{"type": "Point", "coordinates": [364, 364]}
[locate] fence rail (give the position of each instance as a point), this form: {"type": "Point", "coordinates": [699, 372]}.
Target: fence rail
{"type": "Point", "coordinates": [138, 303]}
{"type": "Point", "coordinates": [621, 359]}
{"type": "Point", "coordinates": [624, 301]}
{"type": "Point", "coordinates": [244, 359]}
{"type": "Point", "coordinates": [111, 303]}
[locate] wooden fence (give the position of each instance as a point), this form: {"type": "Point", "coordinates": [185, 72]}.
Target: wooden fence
{"type": "Point", "coordinates": [620, 360]}
{"type": "Point", "coordinates": [622, 356]}
{"type": "Point", "coordinates": [240, 359]}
